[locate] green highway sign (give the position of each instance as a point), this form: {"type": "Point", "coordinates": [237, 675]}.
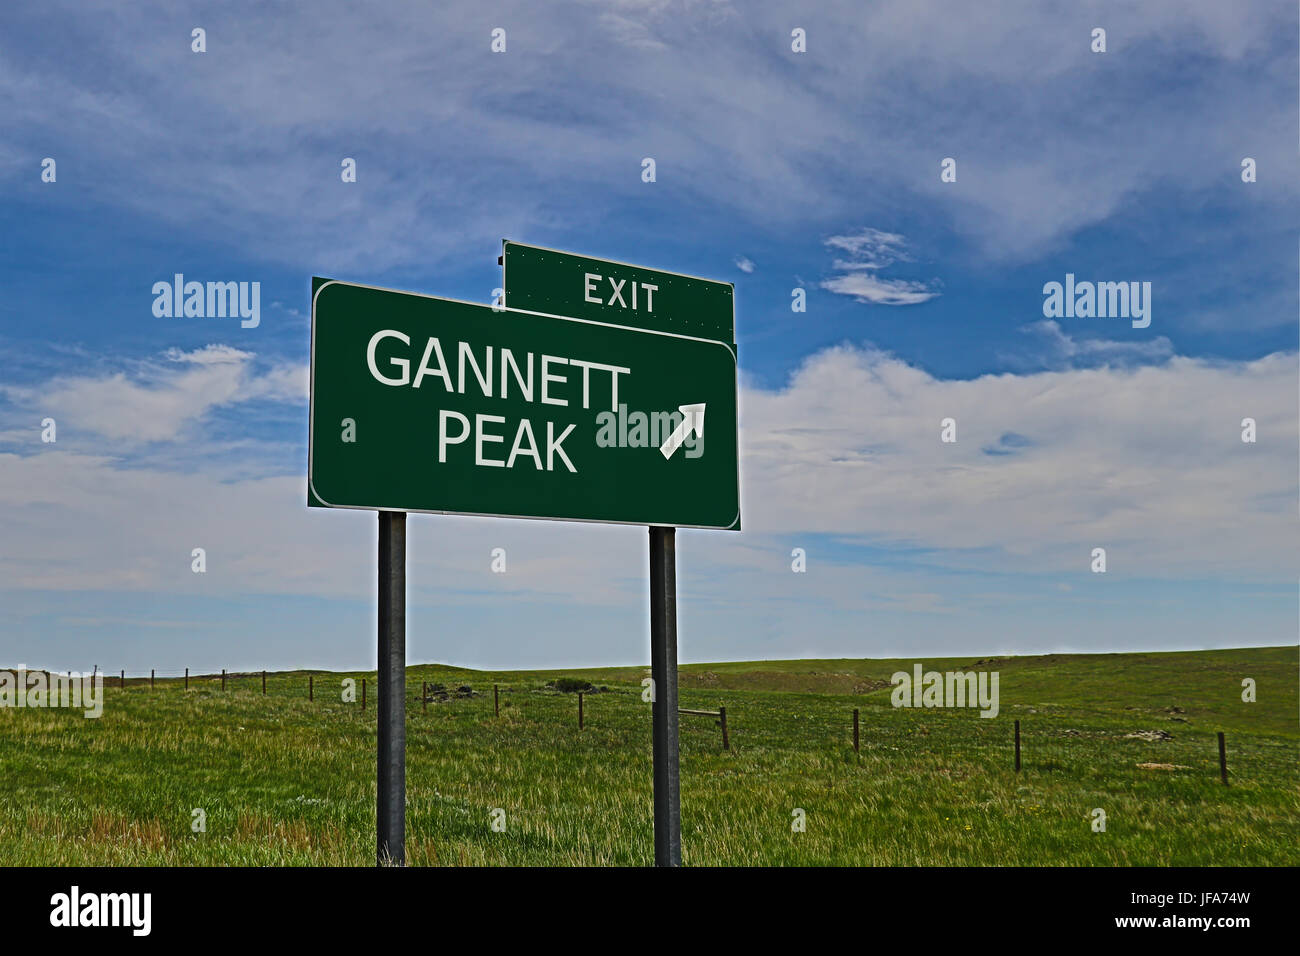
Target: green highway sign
{"type": "Point", "coordinates": [434, 405]}
{"type": "Point", "coordinates": [563, 283]}
{"type": "Point", "coordinates": [583, 397]}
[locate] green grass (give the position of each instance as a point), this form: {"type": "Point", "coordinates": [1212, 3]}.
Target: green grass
{"type": "Point", "coordinates": [285, 781]}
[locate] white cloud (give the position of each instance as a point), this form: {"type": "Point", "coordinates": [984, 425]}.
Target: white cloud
{"type": "Point", "coordinates": [1147, 462]}
{"type": "Point", "coordinates": [163, 397]}
{"type": "Point", "coordinates": [208, 355]}
{"type": "Point", "coordinates": [867, 288]}
{"type": "Point", "coordinates": [1067, 347]}
{"type": "Point", "coordinates": [745, 264]}
{"type": "Point", "coordinates": [284, 383]}
{"type": "Point", "coordinates": [870, 250]}
{"type": "Point", "coordinates": [630, 32]}
{"type": "Point", "coordinates": [87, 522]}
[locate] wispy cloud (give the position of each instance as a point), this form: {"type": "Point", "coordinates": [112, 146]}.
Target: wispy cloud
{"type": "Point", "coordinates": [868, 288]}
{"type": "Point", "coordinates": [672, 80]}
{"type": "Point", "coordinates": [869, 249]}
{"type": "Point", "coordinates": [866, 252]}
{"type": "Point", "coordinates": [1062, 346]}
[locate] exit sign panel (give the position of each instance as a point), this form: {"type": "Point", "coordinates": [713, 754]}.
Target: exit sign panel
{"type": "Point", "coordinates": [601, 290]}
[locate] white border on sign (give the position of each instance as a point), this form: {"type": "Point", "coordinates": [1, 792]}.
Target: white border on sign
{"type": "Point", "coordinates": [311, 413]}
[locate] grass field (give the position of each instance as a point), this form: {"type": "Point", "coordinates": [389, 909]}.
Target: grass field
{"type": "Point", "coordinates": [285, 781]}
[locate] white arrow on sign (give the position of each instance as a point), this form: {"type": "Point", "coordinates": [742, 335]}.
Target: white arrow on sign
{"type": "Point", "coordinates": [692, 421]}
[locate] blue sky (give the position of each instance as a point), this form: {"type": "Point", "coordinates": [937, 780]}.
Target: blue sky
{"type": "Point", "coordinates": [775, 170]}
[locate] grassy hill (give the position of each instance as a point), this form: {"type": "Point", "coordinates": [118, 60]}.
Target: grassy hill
{"type": "Point", "coordinates": [285, 780]}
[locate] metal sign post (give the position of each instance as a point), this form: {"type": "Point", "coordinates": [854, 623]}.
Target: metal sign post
{"type": "Point", "coordinates": [390, 810]}
{"type": "Point", "coordinates": [663, 671]}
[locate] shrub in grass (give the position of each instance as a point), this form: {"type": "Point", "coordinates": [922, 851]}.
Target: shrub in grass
{"type": "Point", "coordinates": [570, 685]}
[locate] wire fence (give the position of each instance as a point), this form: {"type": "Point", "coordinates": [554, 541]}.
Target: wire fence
{"type": "Point", "coordinates": [950, 739]}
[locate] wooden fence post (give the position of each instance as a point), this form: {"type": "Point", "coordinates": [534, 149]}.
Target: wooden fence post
{"type": "Point", "coordinates": [122, 681]}
{"type": "Point", "coordinates": [424, 694]}
{"type": "Point", "coordinates": [223, 678]}
{"type": "Point", "coordinates": [720, 713]}
{"type": "Point", "coordinates": [151, 678]}
{"type": "Point", "coordinates": [187, 678]}
{"type": "Point", "coordinates": [1223, 760]}
{"type": "Point", "coordinates": [496, 701]}
{"type": "Point", "coordinates": [363, 693]}
{"type": "Point", "coordinates": [263, 683]}
{"type": "Point", "coordinates": [1017, 746]}
{"type": "Point", "coordinates": [311, 687]}
{"type": "Point", "coordinates": [579, 710]}
{"type": "Point", "coordinates": [855, 730]}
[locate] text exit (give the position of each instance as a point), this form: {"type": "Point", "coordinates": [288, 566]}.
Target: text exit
{"type": "Point", "coordinates": [620, 292]}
